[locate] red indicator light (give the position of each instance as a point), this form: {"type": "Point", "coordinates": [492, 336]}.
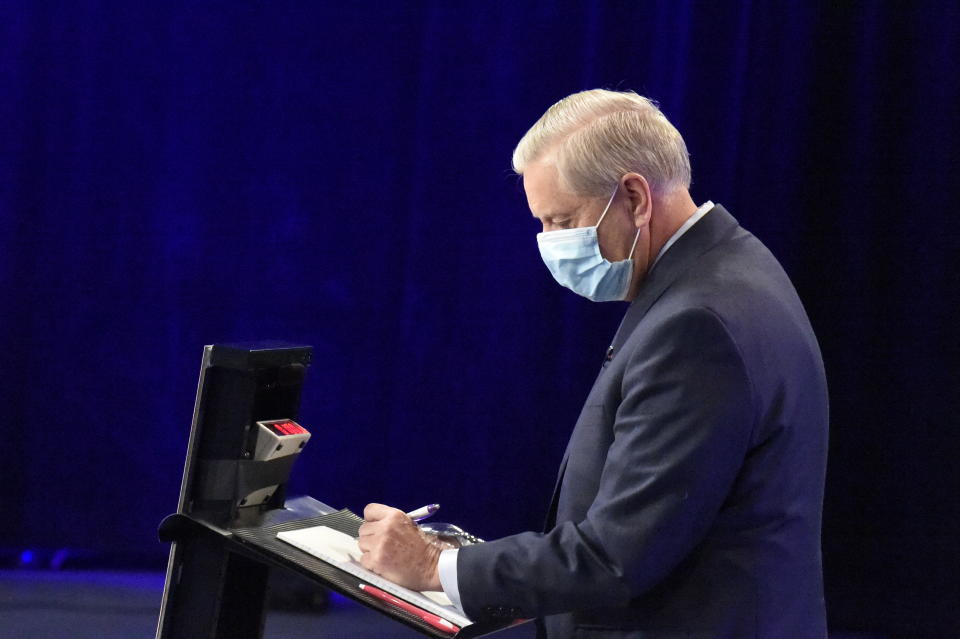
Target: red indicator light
{"type": "Point", "coordinates": [288, 428]}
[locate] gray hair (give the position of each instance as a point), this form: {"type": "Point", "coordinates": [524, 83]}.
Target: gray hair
{"type": "Point", "coordinates": [598, 136]}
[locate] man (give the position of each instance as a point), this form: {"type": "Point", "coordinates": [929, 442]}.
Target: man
{"type": "Point", "coordinates": [689, 499]}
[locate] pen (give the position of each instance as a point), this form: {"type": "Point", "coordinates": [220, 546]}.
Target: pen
{"type": "Point", "coordinates": [423, 512]}
{"type": "Point", "coordinates": [434, 620]}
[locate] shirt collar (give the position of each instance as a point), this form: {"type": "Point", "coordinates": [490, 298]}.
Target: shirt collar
{"type": "Point", "coordinates": [693, 219]}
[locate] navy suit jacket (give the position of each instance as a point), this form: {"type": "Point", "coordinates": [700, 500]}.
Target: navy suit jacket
{"type": "Point", "coordinates": [689, 499]}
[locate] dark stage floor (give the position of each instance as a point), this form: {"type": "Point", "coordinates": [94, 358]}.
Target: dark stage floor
{"type": "Point", "coordinates": [110, 605]}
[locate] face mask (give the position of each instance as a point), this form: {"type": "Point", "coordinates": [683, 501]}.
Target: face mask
{"type": "Point", "coordinates": [574, 259]}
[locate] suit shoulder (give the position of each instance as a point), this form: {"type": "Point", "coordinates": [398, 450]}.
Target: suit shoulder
{"type": "Point", "coordinates": [740, 281]}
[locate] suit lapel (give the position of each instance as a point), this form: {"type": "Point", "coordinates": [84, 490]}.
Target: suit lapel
{"type": "Point", "coordinates": [709, 231]}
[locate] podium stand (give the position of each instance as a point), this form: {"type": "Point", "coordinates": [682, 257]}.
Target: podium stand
{"type": "Point", "coordinates": [221, 548]}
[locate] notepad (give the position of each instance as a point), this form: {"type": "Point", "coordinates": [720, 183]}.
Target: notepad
{"type": "Point", "coordinates": [341, 550]}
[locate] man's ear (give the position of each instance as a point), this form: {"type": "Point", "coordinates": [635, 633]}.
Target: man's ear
{"type": "Point", "coordinates": [641, 202]}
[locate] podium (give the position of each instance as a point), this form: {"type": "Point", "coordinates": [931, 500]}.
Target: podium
{"type": "Point", "coordinates": [222, 548]}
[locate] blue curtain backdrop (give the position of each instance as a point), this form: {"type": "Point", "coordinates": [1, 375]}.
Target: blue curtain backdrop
{"type": "Point", "coordinates": [178, 174]}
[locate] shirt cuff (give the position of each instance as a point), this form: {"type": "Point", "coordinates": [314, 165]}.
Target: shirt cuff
{"type": "Point", "coordinates": [448, 576]}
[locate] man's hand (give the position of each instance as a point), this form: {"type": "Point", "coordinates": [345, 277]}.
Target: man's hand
{"type": "Point", "coordinates": [394, 546]}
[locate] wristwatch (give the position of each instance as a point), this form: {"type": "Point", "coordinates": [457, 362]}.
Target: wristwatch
{"type": "Point", "coordinates": [450, 533]}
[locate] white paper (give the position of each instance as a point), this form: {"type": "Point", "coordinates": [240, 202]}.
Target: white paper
{"type": "Point", "coordinates": [341, 550]}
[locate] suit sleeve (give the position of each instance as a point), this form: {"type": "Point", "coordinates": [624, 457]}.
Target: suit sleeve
{"type": "Point", "coordinates": [681, 432]}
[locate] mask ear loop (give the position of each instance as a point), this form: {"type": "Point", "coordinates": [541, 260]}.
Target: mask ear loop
{"type": "Point", "coordinates": [634, 247]}
{"type": "Point", "coordinates": [607, 208]}
{"type": "Point", "coordinates": [604, 214]}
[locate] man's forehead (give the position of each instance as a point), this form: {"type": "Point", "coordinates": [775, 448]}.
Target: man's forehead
{"type": "Point", "coordinates": [546, 196]}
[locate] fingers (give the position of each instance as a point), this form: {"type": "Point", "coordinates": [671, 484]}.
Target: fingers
{"type": "Point", "coordinates": [376, 512]}
{"type": "Point", "coordinates": [365, 542]}
{"type": "Point", "coordinates": [391, 544]}
{"type": "Point", "coordinates": [366, 560]}
{"type": "Point", "coordinates": [376, 531]}
{"type": "Point", "coordinates": [366, 529]}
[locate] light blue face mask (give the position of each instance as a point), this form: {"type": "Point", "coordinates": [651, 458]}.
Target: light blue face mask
{"type": "Point", "coordinates": [574, 259]}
